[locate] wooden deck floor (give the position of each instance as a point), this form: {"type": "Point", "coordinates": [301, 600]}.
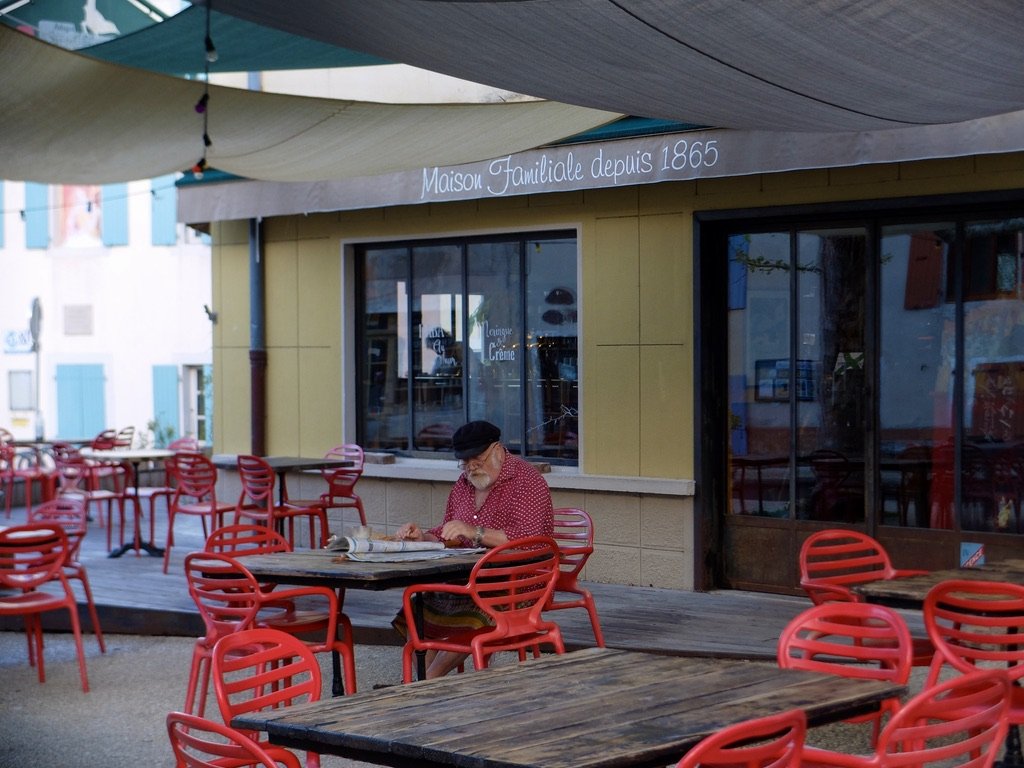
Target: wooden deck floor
{"type": "Point", "coordinates": [134, 596]}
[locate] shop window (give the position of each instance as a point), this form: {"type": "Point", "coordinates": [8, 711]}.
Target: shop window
{"type": "Point", "coordinates": [474, 328]}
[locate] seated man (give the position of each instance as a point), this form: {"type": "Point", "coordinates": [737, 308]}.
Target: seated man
{"type": "Point", "coordinates": [498, 498]}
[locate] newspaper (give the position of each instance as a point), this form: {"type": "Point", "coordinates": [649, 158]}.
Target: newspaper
{"type": "Point", "coordinates": [357, 544]}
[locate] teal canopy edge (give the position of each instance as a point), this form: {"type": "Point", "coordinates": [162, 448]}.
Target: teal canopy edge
{"type": "Point", "coordinates": [176, 46]}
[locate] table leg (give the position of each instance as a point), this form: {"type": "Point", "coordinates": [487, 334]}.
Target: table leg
{"type": "Point", "coordinates": [421, 654]}
{"type": "Point", "coordinates": [1012, 756]}
{"type": "Point", "coordinates": [137, 544]}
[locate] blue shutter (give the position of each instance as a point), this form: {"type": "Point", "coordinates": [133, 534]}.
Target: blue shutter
{"type": "Point", "coordinates": [208, 402]}
{"type": "Point", "coordinates": [166, 408]}
{"type": "Point", "coordinates": [114, 207]}
{"type": "Point", "coordinates": [81, 410]}
{"type": "Point", "coordinates": [165, 210]}
{"type": "Point", "coordinates": [37, 215]}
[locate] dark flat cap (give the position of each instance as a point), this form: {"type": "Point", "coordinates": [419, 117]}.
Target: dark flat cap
{"type": "Point", "coordinates": [473, 438]}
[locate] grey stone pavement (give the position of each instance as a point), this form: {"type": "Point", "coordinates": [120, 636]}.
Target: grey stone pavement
{"type": "Point", "coordinates": [120, 722]}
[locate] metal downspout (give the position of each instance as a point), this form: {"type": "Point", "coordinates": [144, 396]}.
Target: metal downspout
{"type": "Point", "coordinates": [257, 339]}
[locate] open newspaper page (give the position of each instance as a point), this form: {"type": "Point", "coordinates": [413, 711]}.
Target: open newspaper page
{"type": "Point", "coordinates": [392, 551]}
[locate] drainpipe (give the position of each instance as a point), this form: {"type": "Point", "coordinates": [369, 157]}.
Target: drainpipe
{"type": "Point", "coordinates": [257, 339]}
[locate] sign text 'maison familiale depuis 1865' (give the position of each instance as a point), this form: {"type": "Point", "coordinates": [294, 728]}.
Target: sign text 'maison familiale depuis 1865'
{"type": "Point", "coordinates": [596, 165]}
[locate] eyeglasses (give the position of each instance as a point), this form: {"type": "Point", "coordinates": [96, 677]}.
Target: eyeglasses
{"type": "Point", "coordinates": [477, 461]}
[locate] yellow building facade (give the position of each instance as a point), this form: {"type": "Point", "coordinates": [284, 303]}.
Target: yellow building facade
{"type": "Point", "coordinates": [640, 437]}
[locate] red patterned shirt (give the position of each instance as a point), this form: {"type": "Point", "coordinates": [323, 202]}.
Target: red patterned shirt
{"type": "Point", "coordinates": [519, 502]}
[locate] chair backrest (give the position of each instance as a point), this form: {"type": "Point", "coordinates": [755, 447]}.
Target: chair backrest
{"type": "Point", "coordinates": [976, 624]}
{"type": "Point", "coordinates": [258, 479]}
{"type": "Point", "coordinates": [258, 669]}
{"type": "Point", "coordinates": [513, 582]}
{"type": "Point", "coordinates": [104, 441]}
{"type": "Point", "coordinates": [8, 454]}
{"type": "Point", "coordinates": [349, 452]}
{"type": "Point", "coordinates": [574, 534]}
{"type": "Point", "coordinates": [195, 475]}
{"type": "Point", "coordinates": [6, 435]}
{"type": "Point", "coordinates": [246, 539]}
{"type": "Point", "coordinates": [224, 591]}
{"type": "Point", "coordinates": [201, 743]}
{"type": "Point", "coordinates": [774, 741]}
{"type": "Point", "coordinates": [183, 444]}
{"type": "Point", "coordinates": [857, 640]}
{"type": "Point", "coordinates": [833, 560]}
{"type": "Point", "coordinates": [31, 555]}
{"type": "Point", "coordinates": [124, 438]}
{"type": "Point", "coordinates": [958, 723]}
{"type": "Point", "coordinates": [70, 513]}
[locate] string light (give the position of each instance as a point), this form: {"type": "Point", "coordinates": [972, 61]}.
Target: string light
{"type": "Point", "coordinates": [202, 106]}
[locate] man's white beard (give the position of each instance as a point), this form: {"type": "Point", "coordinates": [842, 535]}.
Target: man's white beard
{"type": "Point", "coordinates": [480, 480]}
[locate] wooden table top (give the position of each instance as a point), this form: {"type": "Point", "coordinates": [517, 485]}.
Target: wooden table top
{"type": "Point", "coordinates": [911, 591]}
{"type": "Point", "coordinates": [332, 569]}
{"type": "Point", "coordinates": [595, 708]}
{"type": "Point", "coordinates": [283, 463]}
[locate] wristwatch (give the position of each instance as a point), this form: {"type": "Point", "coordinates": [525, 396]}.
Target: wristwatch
{"type": "Point", "coordinates": [478, 540]}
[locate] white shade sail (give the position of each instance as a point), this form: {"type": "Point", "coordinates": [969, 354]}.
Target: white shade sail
{"type": "Point", "coordinates": [67, 118]}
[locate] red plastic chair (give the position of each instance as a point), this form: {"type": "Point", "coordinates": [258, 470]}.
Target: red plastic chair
{"type": "Point", "coordinates": [32, 556]}
{"type": "Point", "coordinates": [70, 514]}
{"type": "Point", "coordinates": [978, 624]}
{"type": "Point", "coordinates": [257, 502]}
{"type": "Point", "coordinates": [834, 560]}
{"type": "Point", "coordinates": [959, 723]}
{"type": "Point", "coordinates": [195, 493]}
{"type": "Point", "coordinates": [247, 539]}
{"type": "Point", "coordinates": [26, 467]}
{"type": "Point", "coordinates": [850, 640]}
{"type": "Point", "coordinates": [201, 743]}
{"type": "Point", "coordinates": [341, 483]}
{"type": "Point", "coordinates": [574, 533]}
{"type": "Point", "coordinates": [774, 741]}
{"type": "Point", "coordinates": [261, 669]}
{"type": "Point", "coordinates": [79, 477]}
{"type": "Point", "coordinates": [228, 600]}
{"type": "Point", "coordinates": [311, 613]}
{"type": "Point", "coordinates": [512, 584]}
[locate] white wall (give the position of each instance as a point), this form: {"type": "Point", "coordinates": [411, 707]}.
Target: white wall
{"type": "Point", "coordinates": [147, 304]}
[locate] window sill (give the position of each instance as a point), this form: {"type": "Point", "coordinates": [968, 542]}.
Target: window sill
{"type": "Point", "coordinates": [561, 478]}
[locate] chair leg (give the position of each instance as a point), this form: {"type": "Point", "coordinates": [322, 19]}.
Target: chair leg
{"type": "Point", "coordinates": [93, 615]}
{"type": "Point", "coordinates": [200, 669]}
{"type": "Point", "coordinates": [169, 544]}
{"type": "Point", "coordinates": [76, 627]}
{"type": "Point", "coordinates": [595, 625]}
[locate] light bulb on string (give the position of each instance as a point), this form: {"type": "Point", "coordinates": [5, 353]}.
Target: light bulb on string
{"type": "Point", "coordinates": [211, 52]}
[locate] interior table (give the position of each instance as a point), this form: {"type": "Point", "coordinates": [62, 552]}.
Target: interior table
{"type": "Point", "coordinates": [322, 567]}
{"type": "Point", "coordinates": [594, 708]}
{"type": "Point", "coordinates": [134, 457]}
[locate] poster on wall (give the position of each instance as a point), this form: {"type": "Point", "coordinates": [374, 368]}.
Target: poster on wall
{"type": "Point", "coordinates": [79, 217]}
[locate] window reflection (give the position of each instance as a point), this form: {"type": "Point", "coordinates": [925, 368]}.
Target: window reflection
{"type": "Point", "coordinates": [487, 330]}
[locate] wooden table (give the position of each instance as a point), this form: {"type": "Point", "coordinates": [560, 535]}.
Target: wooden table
{"type": "Point", "coordinates": [594, 708]}
{"type": "Point", "coordinates": [910, 591]}
{"type": "Point", "coordinates": [320, 567]}
{"type": "Point", "coordinates": [283, 465]}
{"type": "Point", "coordinates": [134, 457]}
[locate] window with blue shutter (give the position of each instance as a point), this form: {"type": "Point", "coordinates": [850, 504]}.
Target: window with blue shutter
{"type": "Point", "coordinates": [37, 215]}
{"type": "Point", "coordinates": [114, 205]}
{"type": "Point", "coordinates": [81, 408]}
{"type": "Point", "coordinates": [165, 210]}
{"type": "Point", "coordinates": [166, 399]}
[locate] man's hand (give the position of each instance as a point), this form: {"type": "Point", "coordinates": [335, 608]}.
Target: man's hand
{"type": "Point", "coordinates": [409, 532]}
{"type": "Point", "coordinates": [453, 529]}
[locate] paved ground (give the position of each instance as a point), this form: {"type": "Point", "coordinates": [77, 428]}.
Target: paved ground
{"type": "Point", "coordinates": [120, 723]}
